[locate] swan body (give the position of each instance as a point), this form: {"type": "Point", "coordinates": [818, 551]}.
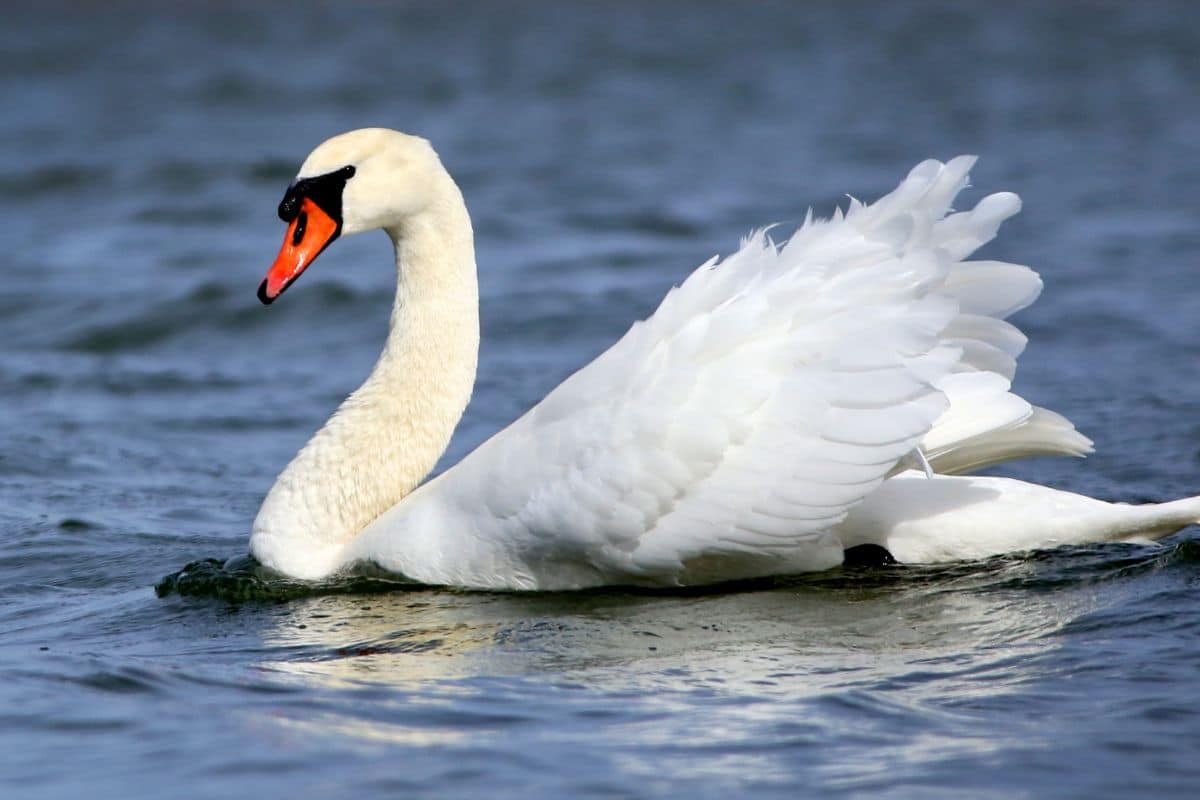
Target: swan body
{"type": "Point", "coordinates": [780, 406]}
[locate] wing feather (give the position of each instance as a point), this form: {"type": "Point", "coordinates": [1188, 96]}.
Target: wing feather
{"type": "Point", "coordinates": [768, 394]}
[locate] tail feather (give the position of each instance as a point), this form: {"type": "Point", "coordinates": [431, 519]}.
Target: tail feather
{"type": "Point", "coordinates": [1163, 519]}
{"type": "Point", "coordinates": [1043, 433]}
{"type": "Point", "coordinates": [952, 518]}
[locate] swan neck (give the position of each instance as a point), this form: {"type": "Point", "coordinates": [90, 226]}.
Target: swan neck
{"type": "Point", "coordinates": [388, 434]}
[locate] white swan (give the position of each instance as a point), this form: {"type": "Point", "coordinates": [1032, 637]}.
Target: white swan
{"type": "Point", "coordinates": [779, 407]}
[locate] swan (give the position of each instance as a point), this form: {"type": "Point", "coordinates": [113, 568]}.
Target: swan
{"type": "Point", "coordinates": [782, 407]}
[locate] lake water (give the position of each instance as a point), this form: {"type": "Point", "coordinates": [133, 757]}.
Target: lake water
{"type": "Point", "coordinates": [148, 400]}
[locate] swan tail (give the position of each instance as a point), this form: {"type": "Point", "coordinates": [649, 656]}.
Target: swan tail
{"type": "Point", "coordinates": [1163, 519]}
{"type": "Point", "coordinates": [955, 518]}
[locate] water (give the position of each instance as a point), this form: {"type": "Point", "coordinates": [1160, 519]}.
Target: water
{"type": "Point", "coordinates": [148, 400]}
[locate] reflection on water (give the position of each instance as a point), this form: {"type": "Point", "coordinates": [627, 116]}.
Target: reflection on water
{"type": "Point", "coordinates": [836, 629]}
{"type": "Point", "coordinates": [907, 662]}
{"type": "Point", "coordinates": [424, 668]}
{"type": "Point", "coordinates": [793, 636]}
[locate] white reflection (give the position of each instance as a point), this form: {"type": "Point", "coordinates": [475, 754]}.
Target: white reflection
{"type": "Point", "coordinates": [941, 649]}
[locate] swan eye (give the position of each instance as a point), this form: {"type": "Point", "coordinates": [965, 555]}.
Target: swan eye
{"type": "Point", "coordinates": [298, 235]}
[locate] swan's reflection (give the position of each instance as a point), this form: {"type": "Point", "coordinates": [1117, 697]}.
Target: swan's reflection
{"type": "Point", "coordinates": [832, 660]}
{"type": "Point", "coordinates": [932, 637]}
{"type": "Point", "coordinates": [874, 669]}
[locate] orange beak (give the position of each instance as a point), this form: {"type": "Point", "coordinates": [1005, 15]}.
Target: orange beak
{"type": "Point", "coordinates": [308, 234]}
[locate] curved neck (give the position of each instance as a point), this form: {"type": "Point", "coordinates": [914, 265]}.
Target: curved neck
{"type": "Point", "coordinates": [387, 435]}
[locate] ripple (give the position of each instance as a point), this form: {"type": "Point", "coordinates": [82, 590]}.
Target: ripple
{"type": "Point", "coordinates": [123, 680]}
{"type": "Point", "coordinates": [655, 222]}
{"type": "Point", "coordinates": [177, 174]}
{"type": "Point", "coordinates": [245, 579]}
{"type": "Point", "coordinates": [209, 307]}
{"type": "Point", "coordinates": [206, 306]}
{"type": "Point", "coordinates": [203, 216]}
{"type": "Point", "coordinates": [52, 179]}
{"type": "Point", "coordinates": [271, 171]}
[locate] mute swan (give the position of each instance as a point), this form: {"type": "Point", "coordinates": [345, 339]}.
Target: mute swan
{"type": "Point", "coordinates": [780, 406]}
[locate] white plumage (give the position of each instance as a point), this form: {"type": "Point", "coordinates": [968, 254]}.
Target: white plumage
{"type": "Point", "coordinates": [731, 433]}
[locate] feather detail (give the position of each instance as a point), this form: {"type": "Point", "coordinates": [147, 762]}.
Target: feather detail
{"type": "Point", "coordinates": [735, 427]}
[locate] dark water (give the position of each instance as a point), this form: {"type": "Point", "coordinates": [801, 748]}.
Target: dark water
{"type": "Point", "coordinates": [148, 400]}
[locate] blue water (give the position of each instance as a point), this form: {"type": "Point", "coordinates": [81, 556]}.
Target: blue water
{"type": "Point", "coordinates": [148, 400]}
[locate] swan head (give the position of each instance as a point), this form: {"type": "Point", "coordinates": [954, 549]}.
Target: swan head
{"type": "Point", "coordinates": [355, 182]}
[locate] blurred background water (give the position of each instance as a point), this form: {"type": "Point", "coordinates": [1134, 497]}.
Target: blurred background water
{"type": "Point", "coordinates": [605, 149]}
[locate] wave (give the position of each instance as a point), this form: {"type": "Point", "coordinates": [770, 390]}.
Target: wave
{"type": "Point", "coordinates": [245, 579]}
{"type": "Point", "coordinates": [207, 307]}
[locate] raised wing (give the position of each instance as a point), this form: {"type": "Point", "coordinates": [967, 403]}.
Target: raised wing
{"type": "Point", "coordinates": [728, 433]}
